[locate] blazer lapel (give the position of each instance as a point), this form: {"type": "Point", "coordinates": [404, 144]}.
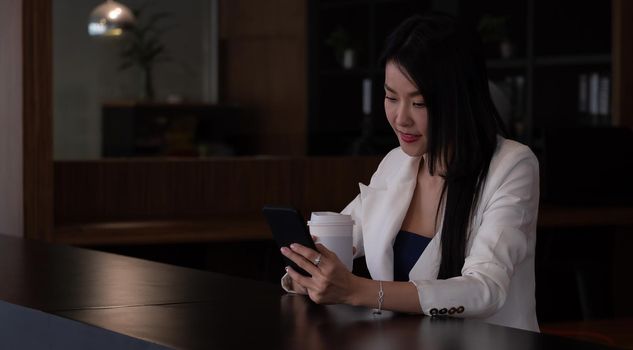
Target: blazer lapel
{"type": "Point", "coordinates": [383, 211]}
{"type": "Point", "coordinates": [428, 265]}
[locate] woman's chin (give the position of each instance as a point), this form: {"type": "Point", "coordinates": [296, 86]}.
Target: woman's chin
{"type": "Point", "coordinates": [412, 151]}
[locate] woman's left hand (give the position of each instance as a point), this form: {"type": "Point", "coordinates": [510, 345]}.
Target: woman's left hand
{"type": "Point", "coordinates": [331, 282]}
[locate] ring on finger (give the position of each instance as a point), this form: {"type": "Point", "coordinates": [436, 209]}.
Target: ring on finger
{"type": "Point", "coordinates": [317, 261]}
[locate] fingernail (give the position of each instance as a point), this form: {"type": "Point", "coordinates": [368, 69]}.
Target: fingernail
{"type": "Point", "coordinates": [287, 267]}
{"type": "Point", "coordinates": [293, 246]}
{"type": "Point", "coordinates": [284, 250]}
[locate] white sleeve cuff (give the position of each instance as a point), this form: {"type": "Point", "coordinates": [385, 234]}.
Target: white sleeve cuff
{"type": "Point", "coordinates": [286, 284]}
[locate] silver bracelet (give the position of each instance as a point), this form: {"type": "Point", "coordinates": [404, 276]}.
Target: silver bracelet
{"type": "Point", "coordinates": [381, 298]}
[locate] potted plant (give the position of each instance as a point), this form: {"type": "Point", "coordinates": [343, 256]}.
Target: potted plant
{"type": "Point", "coordinates": [143, 48]}
{"type": "Point", "coordinates": [494, 31]}
{"type": "Point", "coordinates": [344, 47]}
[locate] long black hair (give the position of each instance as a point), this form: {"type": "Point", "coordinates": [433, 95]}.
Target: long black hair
{"type": "Point", "coordinates": [444, 59]}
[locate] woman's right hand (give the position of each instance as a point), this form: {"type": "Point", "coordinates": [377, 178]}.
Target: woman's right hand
{"type": "Point", "coordinates": [299, 289]}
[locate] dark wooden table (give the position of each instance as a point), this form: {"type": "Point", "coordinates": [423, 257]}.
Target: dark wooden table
{"type": "Point", "coordinates": [56, 296]}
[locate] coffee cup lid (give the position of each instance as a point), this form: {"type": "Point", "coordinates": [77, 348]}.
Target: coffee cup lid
{"type": "Point", "coordinates": [329, 218]}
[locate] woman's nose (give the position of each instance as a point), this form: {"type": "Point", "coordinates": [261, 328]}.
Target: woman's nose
{"type": "Point", "coordinates": [403, 117]}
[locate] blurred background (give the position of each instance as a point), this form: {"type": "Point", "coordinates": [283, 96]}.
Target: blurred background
{"type": "Point", "coordinates": [169, 138]}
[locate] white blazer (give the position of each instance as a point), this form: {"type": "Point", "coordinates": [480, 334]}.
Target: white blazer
{"type": "Point", "coordinates": [497, 281]}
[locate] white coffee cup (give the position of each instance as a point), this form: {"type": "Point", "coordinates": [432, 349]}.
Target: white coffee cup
{"type": "Point", "coordinates": [334, 231]}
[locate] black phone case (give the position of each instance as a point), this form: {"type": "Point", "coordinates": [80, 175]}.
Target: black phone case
{"type": "Point", "coordinates": [288, 226]}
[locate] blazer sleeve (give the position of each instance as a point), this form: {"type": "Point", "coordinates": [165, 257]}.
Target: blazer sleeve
{"type": "Point", "coordinates": [499, 244]}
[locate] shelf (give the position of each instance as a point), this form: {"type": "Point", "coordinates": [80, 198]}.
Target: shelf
{"type": "Point", "coordinates": [572, 60]}
{"type": "Point", "coordinates": [506, 63]}
{"type": "Point", "coordinates": [347, 3]}
{"type": "Point", "coordinates": [565, 60]}
{"type": "Point", "coordinates": [163, 104]}
{"type": "Point", "coordinates": [550, 50]}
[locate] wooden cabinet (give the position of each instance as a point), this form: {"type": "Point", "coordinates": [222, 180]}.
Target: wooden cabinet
{"type": "Point", "coordinates": [163, 129]}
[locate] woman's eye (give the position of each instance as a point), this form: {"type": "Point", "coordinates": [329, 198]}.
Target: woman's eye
{"type": "Point", "coordinates": [419, 104]}
{"type": "Point", "coordinates": [390, 98]}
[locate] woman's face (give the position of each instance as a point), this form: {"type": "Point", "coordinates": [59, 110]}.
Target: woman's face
{"type": "Point", "coordinates": [405, 110]}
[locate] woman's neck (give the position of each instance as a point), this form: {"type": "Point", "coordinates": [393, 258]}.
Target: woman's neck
{"type": "Point", "coordinates": [424, 172]}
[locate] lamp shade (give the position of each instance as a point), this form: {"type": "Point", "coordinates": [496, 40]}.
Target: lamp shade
{"type": "Point", "coordinates": [109, 19]}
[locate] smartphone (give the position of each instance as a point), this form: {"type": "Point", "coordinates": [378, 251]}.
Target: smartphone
{"type": "Point", "coordinates": [288, 226]}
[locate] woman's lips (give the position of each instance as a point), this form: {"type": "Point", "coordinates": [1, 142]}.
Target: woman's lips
{"type": "Point", "coordinates": [408, 138]}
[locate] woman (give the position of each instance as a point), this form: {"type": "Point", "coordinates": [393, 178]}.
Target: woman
{"type": "Point", "coordinates": [448, 222]}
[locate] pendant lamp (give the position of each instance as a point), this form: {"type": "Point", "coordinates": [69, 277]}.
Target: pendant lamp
{"type": "Point", "coordinates": [110, 19]}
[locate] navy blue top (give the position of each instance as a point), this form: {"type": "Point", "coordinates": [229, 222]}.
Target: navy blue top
{"type": "Point", "coordinates": [406, 251]}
